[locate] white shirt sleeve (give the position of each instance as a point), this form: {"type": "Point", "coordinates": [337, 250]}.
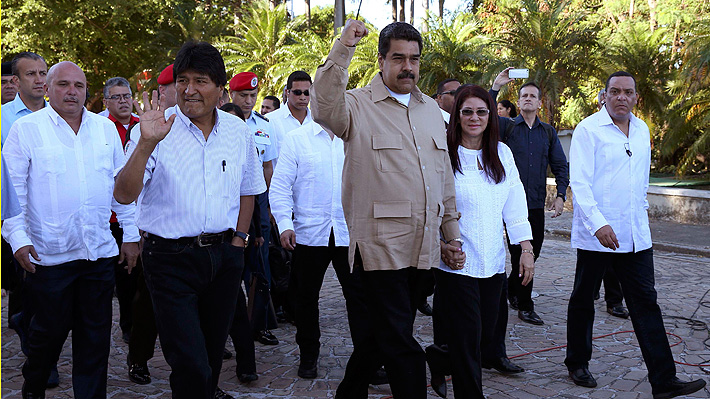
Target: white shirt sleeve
{"type": "Point", "coordinates": [515, 209]}
{"type": "Point", "coordinates": [281, 190]}
{"type": "Point", "coordinates": [582, 167]}
{"type": "Point", "coordinates": [253, 181]}
{"type": "Point", "coordinates": [16, 153]}
{"type": "Point", "coordinates": [124, 213]}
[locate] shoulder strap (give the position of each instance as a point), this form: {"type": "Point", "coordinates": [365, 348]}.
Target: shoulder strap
{"type": "Point", "coordinates": [508, 130]}
{"type": "Point", "coordinates": [550, 132]}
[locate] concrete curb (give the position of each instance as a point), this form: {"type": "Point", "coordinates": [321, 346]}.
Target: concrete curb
{"type": "Point", "coordinates": [660, 246]}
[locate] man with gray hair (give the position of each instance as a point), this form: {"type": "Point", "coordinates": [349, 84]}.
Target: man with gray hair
{"type": "Point", "coordinates": [62, 161]}
{"type": "Point", "coordinates": [118, 100]}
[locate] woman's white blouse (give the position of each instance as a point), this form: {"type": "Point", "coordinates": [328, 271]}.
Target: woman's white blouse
{"type": "Point", "coordinates": [484, 206]}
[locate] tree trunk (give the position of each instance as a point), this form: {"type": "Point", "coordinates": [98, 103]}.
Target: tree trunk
{"type": "Point", "coordinates": [425, 26]}
{"type": "Point", "coordinates": [652, 14]}
{"type": "Point", "coordinates": [402, 13]}
{"type": "Point", "coordinates": [441, 9]}
{"type": "Point", "coordinates": [394, 10]}
{"type": "Point", "coordinates": [631, 9]}
{"type": "Point", "coordinates": [411, 12]}
{"type": "Point", "coordinates": [308, 13]}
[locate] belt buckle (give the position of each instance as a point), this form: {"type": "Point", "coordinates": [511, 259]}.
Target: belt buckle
{"type": "Point", "coordinates": [200, 243]}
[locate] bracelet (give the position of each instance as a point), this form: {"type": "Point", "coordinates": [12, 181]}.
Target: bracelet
{"type": "Point", "coordinates": [457, 240]}
{"type": "Point", "coordinates": [528, 251]}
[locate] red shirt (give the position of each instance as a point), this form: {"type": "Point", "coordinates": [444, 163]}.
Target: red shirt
{"type": "Point", "coordinates": [122, 131]}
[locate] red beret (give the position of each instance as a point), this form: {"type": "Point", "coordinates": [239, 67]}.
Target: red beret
{"type": "Point", "coordinates": [244, 81]}
{"type": "Point", "coordinates": [166, 77]}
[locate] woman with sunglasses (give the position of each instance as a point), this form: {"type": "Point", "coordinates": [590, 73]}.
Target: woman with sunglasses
{"type": "Point", "coordinates": [470, 313]}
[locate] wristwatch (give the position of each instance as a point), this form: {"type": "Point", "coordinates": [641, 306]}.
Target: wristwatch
{"type": "Point", "coordinates": [243, 236]}
{"type": "Point", "coordinates": [560, 195]}
{"type": "Point", "coordinates": [459, 240]}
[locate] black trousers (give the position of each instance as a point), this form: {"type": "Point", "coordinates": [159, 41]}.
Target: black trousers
{"type": "Point", "coordinates": [612, 288]}
{"type": "Point", "coordinates": [635, 272]}
{"type": "Point", "coordinates": [71, 296]}
{"type": "Point", "coordinates": [194, 300]}
{"type": "Point", "coordinates": [126, 284]}
{"type": "Point", "coordinates": [392, 297]}
{"type": "Point", "coordinates": [516, 289]}
{"type": "Point", "coordinates": [144, 332]}
{"type": "Point", "coordinates": [468, 316]}
{"type": "Point", "coordinates": [242, 336]}
{"type": "Point", "coordinates": [12, 280]}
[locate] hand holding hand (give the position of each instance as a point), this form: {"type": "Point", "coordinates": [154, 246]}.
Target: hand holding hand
{"type": "Point", "coordinates": [607, 237]}
{"type": "Point", "coordinates": [452, 255]}
{"type": "Point", "coordinates": [353, 32]}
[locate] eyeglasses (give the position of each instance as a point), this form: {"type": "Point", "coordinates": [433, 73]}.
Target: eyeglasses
{"type": "Point", "coordinates": [117, 97]}
{"type": "Point", "coordinates": [628, 150]}
{"type": "Point", "coordinates": [447, 92]}
{"type": "Point", "coordinates": [301, 92]}
{"type": "Point", "coordinates": [481, 112]}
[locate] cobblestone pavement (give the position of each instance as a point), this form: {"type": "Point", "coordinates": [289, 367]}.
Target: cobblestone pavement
{"type": "Point", "coordinates": [681, 281]}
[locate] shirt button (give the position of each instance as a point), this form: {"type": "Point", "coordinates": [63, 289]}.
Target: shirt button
{"type": "Point", "coordinates": [419, 147]}
{"type": "Point", "coordinates": [414, 128]}
{"type": "Point", "coordinates": [423, 167]}
{"type": "Point", "coordinates": [427, 208]}
{"type": "Point", "coordinates": [427, 187]}
{"type": "Point", "coordinates": [426, 229]}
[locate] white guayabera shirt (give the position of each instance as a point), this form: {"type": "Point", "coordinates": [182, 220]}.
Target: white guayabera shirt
{"type": "Point", "coordinates": [609, 179]}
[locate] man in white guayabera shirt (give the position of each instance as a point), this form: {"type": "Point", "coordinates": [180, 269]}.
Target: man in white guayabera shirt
{"type": "Point", "coordinates": [610, 159]}
{"type": "Point", "coordinates": [62, 161]}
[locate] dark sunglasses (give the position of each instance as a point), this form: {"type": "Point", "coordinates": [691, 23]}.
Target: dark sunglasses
{"type": "Point", "coordinates": [299, 92]}
{"type": "Point", "coordinates": [481, 112]}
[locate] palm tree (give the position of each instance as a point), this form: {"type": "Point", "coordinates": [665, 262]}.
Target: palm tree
{"type": "Point", "coordinates": [453, 50]}
{"type": "Point", "coordinates": [258, 43]}
{"type": "Point", "coordinates": [551, 39]}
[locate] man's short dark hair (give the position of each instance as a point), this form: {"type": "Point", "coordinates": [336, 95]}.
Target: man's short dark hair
{"type": "Point", "coordinates": [277, 103]}
{"type": "Point", "coordinates": [200, 57]}
{"type": "Point", "coordinates": [440, 86]}
{"type": "Point", "coordinates": [398, 31]}
{"type": "Point", "coordinates": [617, 74]}
{"type": "Point", "coordinates": [25, 54]}
{"type": "Point", "coordinates": [298, 76]}
{"type": "Point", "coordinates": [533, 84]}
{"type": "Point", "coordinates": [117, 81]}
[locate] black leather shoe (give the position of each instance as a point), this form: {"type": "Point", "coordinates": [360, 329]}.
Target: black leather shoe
{"type": "Point", "coordinates": [26, 394]}
{"type": "Point", "coordinates": [618, 311]}
{"type": "Point", "coordinates": [596, 296]}
{"type": "Point", "coordinates": [513, 302]}
{"type": "Point", "coordinates": [437, 357]}
{"type": "Point", "coordinates": [139, 374]}
{"type": "Point", "coordinates": [503, 365]}
{"type": "Point", "coordinates": [676, 387]}
{"type": "Point", "coordinates": [425, 308]}
{"type": "Point", "coordinates": [220, 394]}
{"type": "Point", "coordinates": [266, 337]}
{"type": "Point", "coordinates": [53, 380]}
{"type": "Point", "coordinates": [308, 369]}
{"type": "Point", "coordinates": [226, 355]}
{"type": "Point", "coordinates": [246, 378]}
{"type": "Point", "coordinates": [583, 377]}
{"type": "Point", "coordinates": [529, 316]}
{"type": "Point", "coordinates": [126, 337]}
{"type": "Point", "coordinates": [379, 377]}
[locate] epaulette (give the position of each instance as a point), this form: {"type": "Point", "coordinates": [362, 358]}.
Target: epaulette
{"type": "Point", "coordinates": [261, 116]}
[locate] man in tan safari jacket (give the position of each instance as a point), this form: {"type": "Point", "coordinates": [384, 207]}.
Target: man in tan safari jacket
{"type": "Point", "coordinates": [398, 195]}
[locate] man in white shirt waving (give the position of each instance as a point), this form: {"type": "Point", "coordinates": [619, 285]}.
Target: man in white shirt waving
{"type": "Point", "coordinates": [307, 184]}
{"type": "Point", "coordinates": [62, 162]}
{"type": "Point", "coordinates": [193, 172]}
{"type": "Point", "coordinates": [610, 160]}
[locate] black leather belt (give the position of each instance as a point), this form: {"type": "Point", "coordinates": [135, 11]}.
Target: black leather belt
{"type": "Point", "coordinates": [203, 240]}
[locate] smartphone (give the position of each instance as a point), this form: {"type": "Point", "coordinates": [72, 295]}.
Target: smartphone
{"type": "Point", "coordinates": [519, 73]}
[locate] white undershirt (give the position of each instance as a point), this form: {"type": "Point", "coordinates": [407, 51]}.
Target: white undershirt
{"type": "Point", "coordinates": [402, 98]}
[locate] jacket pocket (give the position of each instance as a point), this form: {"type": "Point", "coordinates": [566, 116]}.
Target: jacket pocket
{"type": "Point", "coordinates": [389, 154]}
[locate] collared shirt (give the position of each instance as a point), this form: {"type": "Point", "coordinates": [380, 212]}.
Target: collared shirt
{"type": "Point", "coordinates": [307, 183]}
{"type": "Point", "coordinates": [609, 185]}
{"type": "Point", "coordinates": [121, 129]}
{"type": "Point", "coordinates": [484, 206]}
{"type": "Point", "coordinates": [11, 112]}
{"type": "Point", "coordinates": [193, 185]}
{"type": "Point", "coordinates": [64, 182]}
{"type": "Point", "coordinates": [533, 151]}
{"type": "Point", "coordinates": [398, 187]}
{"type": "Point", "coordinates": [284, 122]}
{"type": "Point", "coordinates": [264, 137]}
